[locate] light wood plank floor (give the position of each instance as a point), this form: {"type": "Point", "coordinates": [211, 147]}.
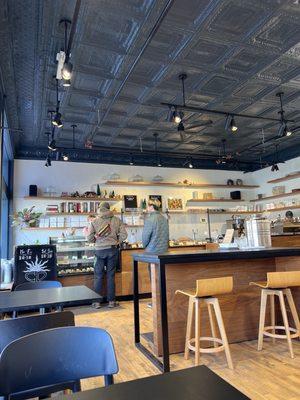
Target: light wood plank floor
{"type": "Point", "coordinates": [267, 375]}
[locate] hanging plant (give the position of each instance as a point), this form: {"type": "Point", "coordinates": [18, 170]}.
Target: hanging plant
{"type": "Point", "coordinates": [26, 217]}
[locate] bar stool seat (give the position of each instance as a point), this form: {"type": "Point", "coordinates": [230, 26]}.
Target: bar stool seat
{"type": "Point", "coordinates": [206, 290]}
{"type": "Point", "coordinates": [278, 284]}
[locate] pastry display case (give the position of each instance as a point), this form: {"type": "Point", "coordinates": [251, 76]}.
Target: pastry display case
{"type": "Point", "coordinates": [74, 256]}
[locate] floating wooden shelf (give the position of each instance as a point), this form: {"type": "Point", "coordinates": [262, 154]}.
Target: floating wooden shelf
{"type": "Point", "coordinates": [277, 196]}
{"type": "Point", "coordinates": [77, 199]}
{"type": "Point", "coordinates": [52, 228]}
{"type": "Point", "coordinates": [181, 185]}
{"type": "Point", "coordinates": [57, 214]}
{"type": "Point", "coordinates": [235, 212]}
{"type": "Point", "coordinates": [213, 201]}
{"type": "Point", "coordinates": [285, 178]}
{"type": "Point", "coordinates": [283, 209]}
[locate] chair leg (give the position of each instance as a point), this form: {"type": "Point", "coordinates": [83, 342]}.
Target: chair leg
{"type": "Point", "coordinates": [222, 332]}
{"type": "Point", "coordinates": [286, 323]}
{"type": "Point", "coordinates": [262, 317]}
{"type": "Point", "coordinates": [212, 323]}
{"type": "Point", "coordinates": [272, 301]}
{"type": "Point", "coordinates": [197, 331]}
{"type": "Point", "coordinates": [293, 309]}
{"type": "Point", "coordinates": [189, 327]}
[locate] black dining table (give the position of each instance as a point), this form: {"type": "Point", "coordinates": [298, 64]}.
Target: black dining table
{"type": "Point", "coordinates": [197, 383]}
{"type": "Point", "coordinates": [25, 300]}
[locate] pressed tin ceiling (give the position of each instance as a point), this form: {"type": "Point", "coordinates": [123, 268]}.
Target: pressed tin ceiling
{"type": "Point", "coordinates": [237, 55]}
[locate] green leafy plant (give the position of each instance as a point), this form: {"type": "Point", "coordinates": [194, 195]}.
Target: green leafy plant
{"type": "Point", "coordinates": [26, 217]}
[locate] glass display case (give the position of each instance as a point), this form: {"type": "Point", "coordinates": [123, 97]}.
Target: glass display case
{"type": "Point", "coordinates": [74, 255]}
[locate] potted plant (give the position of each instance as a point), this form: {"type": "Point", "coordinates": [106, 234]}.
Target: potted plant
{"type": "Point", "coordinates": [26, 217]}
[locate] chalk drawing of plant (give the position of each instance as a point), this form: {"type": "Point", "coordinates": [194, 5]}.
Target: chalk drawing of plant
{"type": "Point", "coordinates": [36, 270]}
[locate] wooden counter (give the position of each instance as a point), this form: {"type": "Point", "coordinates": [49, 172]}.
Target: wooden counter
{"type": "Point", "coordinates": [240, 308]}
{"type": "Point", "coordinates": [124, 279]}
{"type": "Point", "coordinates": [286, 240]}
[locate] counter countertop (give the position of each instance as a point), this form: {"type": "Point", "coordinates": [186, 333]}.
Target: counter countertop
{"type": "Point", "coordinates": [171, 257]}
{"type": "Point", "coordinates": [286, 234]}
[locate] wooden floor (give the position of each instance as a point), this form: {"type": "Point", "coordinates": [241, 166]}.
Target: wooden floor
{"type": "Point", "coordinates": [267, 375]}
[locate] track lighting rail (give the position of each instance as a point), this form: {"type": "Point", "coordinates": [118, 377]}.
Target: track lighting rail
{"type": "Point", "coordinates": [218, 112]}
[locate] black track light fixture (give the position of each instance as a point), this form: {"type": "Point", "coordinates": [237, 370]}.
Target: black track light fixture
{"type": "Point", "coordinates": [65, 157]}
{"type": "Point", "coordinates": [230, 124]}
{"type": "Point", "coordinates": [283, 129]}
{"type": "Point", "coordinates": [157, 157]}
{"type": "Point", "coordinates": [66, 71]}
{"type": "Point", "coordinates": [56, 121]}
{"type": "Point", "coordinates": [274, 168]}
{"type": "Point", "coordinates": [52, 145]}
{"type": "Point", "coordinates": [180, 127]}
{"type": "Point", "coordinates": [48, 161]}
{"type": "Point", "coordinates": [66, 82]}
{"type": "Point", "coordinates": [131, 160]}
{"type": "Point", "coordinates": [190, 164]}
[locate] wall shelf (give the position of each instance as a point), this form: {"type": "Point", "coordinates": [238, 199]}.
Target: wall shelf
{"type": "Point", "coordinates": [51, 228]}
{"type": "Point", "coordinates": [213, 201]}
{"type": "Point", "coordinates": [285, 178]}
{"type": "Point", "coordinates": [283, 209]}
{"type": "Point", "coordinates": [68, 198]}
{"type": "Point", "coordinates": [181, 185]}
{"type": "Point", "coordinates": [235, 212]}
{"type": "Point", "coordinates": [277, 196]}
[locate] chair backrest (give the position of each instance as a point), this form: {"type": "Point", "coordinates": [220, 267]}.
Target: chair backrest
{"type": "Point", "coordinates": [12, 329]}
{"type": "Point", "coordinates": [38, 285]}
{"type": "Point", "coordinates": [56, 356]}
{"type": "Point", "coordinates": [214, 286]}
{"type": "Point", "coordinates": [283, 279]}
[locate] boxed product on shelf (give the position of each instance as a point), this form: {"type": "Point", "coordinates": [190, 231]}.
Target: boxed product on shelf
{"type": "Point", "coordinates": [53, 222]}
{"type": "Point", "coordinates": [276, 190]}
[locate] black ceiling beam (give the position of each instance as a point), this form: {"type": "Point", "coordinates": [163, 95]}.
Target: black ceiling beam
{"type": "Point", "coordinates": [73, 28]}
{"type": "Point", "coordinates": [208, 111]}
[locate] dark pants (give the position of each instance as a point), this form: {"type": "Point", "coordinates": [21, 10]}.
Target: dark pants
{"type": "Point", "coordinates": [106, 258]}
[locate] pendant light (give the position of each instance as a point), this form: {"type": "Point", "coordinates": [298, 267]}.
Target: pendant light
{"type": "Point", "coordinates": [56, 120]}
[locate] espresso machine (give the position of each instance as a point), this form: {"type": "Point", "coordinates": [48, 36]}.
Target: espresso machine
{"type": "Point", "coordinates": [237, 224]}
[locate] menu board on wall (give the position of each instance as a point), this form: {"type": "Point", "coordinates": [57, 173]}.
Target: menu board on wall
{"type": "Point", "coordinates": [130, 202]}
{"type": "Point", "coordinates": [35, 263]}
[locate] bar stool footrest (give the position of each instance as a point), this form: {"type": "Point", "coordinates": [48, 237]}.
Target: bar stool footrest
{"type": "Point", "coordinates": [207, 350]}
{"type": "Point", "coordinates": [279, 327]}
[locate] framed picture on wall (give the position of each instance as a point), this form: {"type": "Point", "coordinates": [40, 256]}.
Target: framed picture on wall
{"type": "Point", "coordinates": [175, 204]}
{"type": "Point", "coordinates": [156, 197]}
{"type": "Point", "coordinates": [130, 202]}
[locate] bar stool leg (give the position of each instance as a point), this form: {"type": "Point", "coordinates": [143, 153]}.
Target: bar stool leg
{"type": "Point", "coordinates": [262, 317]}
{"type": "Point", "coordinates": [222, 332]}
{"type": "Point", "coordinates": [197, 331]}
{"type": "Point", "coordinates": [286, 323]}
{"type": "Point", "coordinates": [272, 301]}
{"type": "Point", "coordinates": [189, 328]}
{"type": "Point", "coordinates": [293, 309]}
{"type": "Point", "coordinates": [212, 323]}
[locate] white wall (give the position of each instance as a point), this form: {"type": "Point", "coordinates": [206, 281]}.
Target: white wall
{"type": "Point", "coordinates": [69, 177]}
{"type": "Point", "coordinates": [262, 177]}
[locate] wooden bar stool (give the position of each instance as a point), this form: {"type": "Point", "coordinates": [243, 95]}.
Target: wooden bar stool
{"type": "Point", "coordinates": [206, 291]}
{"type": "Point", "coordinates": [278, 284]}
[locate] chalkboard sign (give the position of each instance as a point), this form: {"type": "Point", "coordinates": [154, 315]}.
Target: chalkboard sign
{"type": "Point", "coordinates": [130, 202]}
{"type": "Point", "coordinates": [35, 263]}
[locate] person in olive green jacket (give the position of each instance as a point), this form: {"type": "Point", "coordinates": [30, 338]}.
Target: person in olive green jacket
{"type": "Point", "coordinates": [107, 232]}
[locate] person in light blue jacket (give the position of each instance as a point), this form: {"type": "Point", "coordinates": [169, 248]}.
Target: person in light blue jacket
{"type": "Point", "coordinates": [156, 230]}
{"type": "Point", "coordinates": [155, 233]}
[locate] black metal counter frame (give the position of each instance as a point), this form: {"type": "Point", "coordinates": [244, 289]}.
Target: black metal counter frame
{"type": "Point", "coordinates": [170, 257]}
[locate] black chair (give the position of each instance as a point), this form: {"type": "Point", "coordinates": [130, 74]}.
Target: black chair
{"type": "Point", "coordinates": [13, 329]}
{"type": "Point", "coordinates": [37, 285]}
{"type": "Point", "coordinates": [32, 364]}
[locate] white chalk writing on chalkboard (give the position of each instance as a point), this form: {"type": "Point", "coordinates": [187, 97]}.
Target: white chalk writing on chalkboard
{"type": "Point", "coordinates": [36, 270]}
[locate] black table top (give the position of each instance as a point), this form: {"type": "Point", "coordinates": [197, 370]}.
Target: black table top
{"type": "Point", "coordinates": [216, 255]}
{"type": "Point", "coordinates": [198, 383]}
{"type": "Point", "coordinates": [32, 299]}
